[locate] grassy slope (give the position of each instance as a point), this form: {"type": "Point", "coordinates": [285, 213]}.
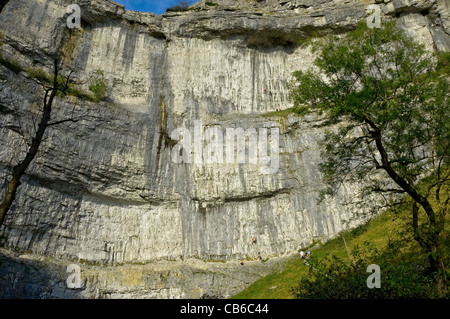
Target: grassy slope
{"type": "Point", "coordinates": [378, 231]}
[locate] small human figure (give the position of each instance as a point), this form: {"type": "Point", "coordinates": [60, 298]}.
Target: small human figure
{"type": "Point", "coordinates": [308, 254]}
{"type": "Point", "coordinates": [241, 262]}
{"type": "Point", "coordinates": [254, 240]}
{"type": "Point", "coordinates": [301, 254]}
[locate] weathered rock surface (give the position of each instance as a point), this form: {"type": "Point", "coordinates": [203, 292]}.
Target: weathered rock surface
{"type": "Point", "coordinates": [32, 276]}
{"type": "Point", "coordinates": [105, 189]}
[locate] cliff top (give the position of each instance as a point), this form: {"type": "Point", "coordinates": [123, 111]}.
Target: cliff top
{"type": "Point", "coordinates": [263, 21]}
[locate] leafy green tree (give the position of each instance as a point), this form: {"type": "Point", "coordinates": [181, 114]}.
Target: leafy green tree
{"type": "Point", "coordinates": [335, 278]}
{"type": "Point", "coordinates": [386, 101]}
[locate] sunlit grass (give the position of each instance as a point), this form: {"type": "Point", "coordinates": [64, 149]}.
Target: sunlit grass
{"type": "Point", "coordinates": [380, 231]}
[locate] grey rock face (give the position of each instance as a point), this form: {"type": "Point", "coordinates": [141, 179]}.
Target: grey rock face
{"type": "Point", "coordinates": [31, 276]}
{"type": "Point", "coordinates": [105, 190]}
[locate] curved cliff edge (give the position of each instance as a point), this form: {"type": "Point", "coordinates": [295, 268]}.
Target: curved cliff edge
{"type": "Point", "coordinates": [104, 192]}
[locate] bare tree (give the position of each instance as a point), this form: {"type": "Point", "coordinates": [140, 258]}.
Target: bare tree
{"type": "Point", "coordinates": [58, 86]}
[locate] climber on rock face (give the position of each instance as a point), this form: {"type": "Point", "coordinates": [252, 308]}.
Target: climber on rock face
{"type": "Point", "coordinates": [241, 262]}
{"type": "Point", "coordinates": [254, 240]}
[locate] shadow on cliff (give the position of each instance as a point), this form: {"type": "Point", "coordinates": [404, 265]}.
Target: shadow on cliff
{"type": "Point", "coordinates": [23, 278]}
{"type": "Point", "coordinates": [3, 4]}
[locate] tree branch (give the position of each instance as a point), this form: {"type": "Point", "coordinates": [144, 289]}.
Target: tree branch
{"type": "Point", "coordinates": [63, 121]}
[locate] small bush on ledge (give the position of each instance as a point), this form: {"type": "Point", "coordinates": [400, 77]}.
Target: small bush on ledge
{"type": "Point", "coordinates": [98, 86]}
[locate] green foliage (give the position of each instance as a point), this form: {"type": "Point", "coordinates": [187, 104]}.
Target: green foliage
{"type": "Point", "coordinates": [301, 110]}
{"type": "Point", "coordinates": [11, 64]}
{"type": "Point", "coordinates": [211, 4]}
{"type": "Point", "coordinates": [39, 74]}
{"type": "Point", "coordinates": [303, 43]}
{"type": "Point", "coordinates": [334, 277]}
{"type": "Point", "coordinates": [77, 92]}
{"type": "Point", "coordinates": [281, 113]}
{"type": "Point", "coordinates": [98, 86]}
{"type": "Point", "coordinates": [379, 85]}
{"type": "Point", "coordinates": [72, 89]}
{"type": "Point", "coordinates": [392, 247]}
{"type": "Point", "coordinates": [390, 97]}
{"type": "Point", "coordinates": [72, 38]}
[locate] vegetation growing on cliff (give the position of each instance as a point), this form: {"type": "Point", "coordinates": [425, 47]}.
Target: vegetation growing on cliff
{"type": "Point", "coordinates": [14, 182]}
{"type": "Point", "coordinates": [98, 86]}
{"type": "Point", "coordinates": [391, 99]}
{"type": "Point", "coordinates": [11, 64]}
{"type": "Point", "coordinates": [53, 86]}
{"type": "Point", "coordinates": [386, 240]}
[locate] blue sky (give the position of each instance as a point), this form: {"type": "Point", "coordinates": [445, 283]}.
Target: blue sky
{"type": "Point", "coordinates": [155, 6]}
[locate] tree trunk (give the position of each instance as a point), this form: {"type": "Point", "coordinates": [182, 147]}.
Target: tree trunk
{"type": "Point", "coordinates": [20, 168]}
{"type": "Point", "coordinates": [10, 196]}
{"type": "Point", "coordinates": [431, 240]}
{"type": "Point", "coordinates": [437, 265]}
{"type": "Point", "coordinates": [430, 243]}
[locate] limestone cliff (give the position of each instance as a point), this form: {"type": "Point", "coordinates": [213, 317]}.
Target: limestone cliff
{"type": "Point", "coordinates": [105, 192]}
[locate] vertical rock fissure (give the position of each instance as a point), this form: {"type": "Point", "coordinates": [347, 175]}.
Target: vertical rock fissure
{"type": "Point", "coordinates": [162, 103]}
